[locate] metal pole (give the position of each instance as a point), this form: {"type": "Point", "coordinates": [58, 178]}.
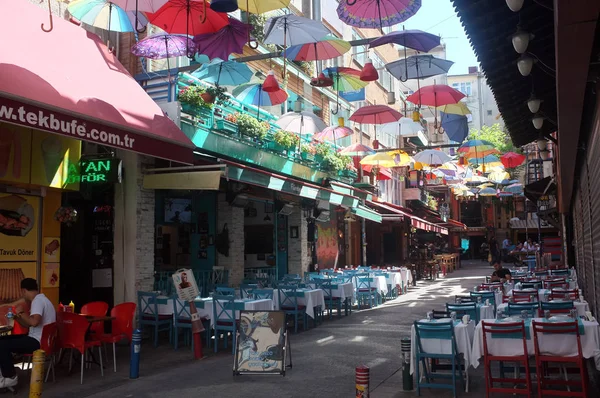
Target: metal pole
{"type": "Point", "coordinates": [134, 362]}
{"type": "Point", "coordinates": [407, 379]}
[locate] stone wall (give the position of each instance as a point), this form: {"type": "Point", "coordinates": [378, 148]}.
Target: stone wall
{"type": "Point", "coordinates": [234, 218]}
{"type": "Point", "coordinates": [298, 248]}
{"type": "Point", "coordinates": [144, 258]}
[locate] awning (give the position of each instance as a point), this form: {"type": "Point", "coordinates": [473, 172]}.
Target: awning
{"type": "Point", "coordinates": [393, 214]}
{"type": "Point", "coordinates": [277, 182]}
{"type": "Point", "coordinates": [194, 180]}
{"type": "Point", "coordinates": [346, 189]}
{"type": "Point", "coordinates": [537, 189]}
{"type": "Point", "coordinates": [72, 85]}
{"type": "Point", "coordinates": [399, 212]}
{"type": "Point", "coordinates": [366, 213]}
{"type": "Point", "coordinates": [529, 224]}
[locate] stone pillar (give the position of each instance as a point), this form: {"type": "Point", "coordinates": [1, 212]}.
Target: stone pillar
{"type": "Point", "coordinates": [134, 230]}
{"type": "Point", "coordinates": [299, 256]}
{"type": "Point", "coordinates": [234, 218]}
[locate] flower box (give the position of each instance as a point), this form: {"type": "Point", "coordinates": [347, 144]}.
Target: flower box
{"type": "Point", "coordinates": [348, 174]}
{"type": "Point", "coordinates": [307, 157]}
{"type": "Point", "coordinates": [227, 126]}
{"type": "Point", "coordinates": [275, 147]}
{"type": "Point", "coordinates": [200, 112]}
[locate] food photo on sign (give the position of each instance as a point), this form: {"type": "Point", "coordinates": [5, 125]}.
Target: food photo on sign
{"type": "Point", "coordinates": [51, 250]}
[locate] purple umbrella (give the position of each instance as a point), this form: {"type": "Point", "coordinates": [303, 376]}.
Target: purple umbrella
{"type": "Point", "coordinates": [413, 38]}
{"type": "Point", "coordinates": [229, 39]}
{"type": "Point", "coordinates": [163, 45]}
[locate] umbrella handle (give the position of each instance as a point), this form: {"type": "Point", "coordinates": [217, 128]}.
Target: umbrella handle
{"type": "Point", "coordinates": [337, 105]}
{"type": "Point", "coordinates": [350, 3]}
{"type": "Point", "coordinates": [203, 12]}
{"type": "Point", "coordinates": [43, 25]}
{"type": "Point", "coordinates": [144, 28]}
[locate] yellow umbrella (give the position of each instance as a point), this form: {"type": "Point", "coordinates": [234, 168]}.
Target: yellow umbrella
{"type": "Point", "coordinates": [498, 176]}
{"type": "Point", "coordinates": [379, 159]}
{"type": "Point", "coordinates": [400, 157]}
{"type": "Point", "coordinates": [490, 168]}
{"type": "Point", "coordinates": [418, 166]}
{"type": "Point", "coordinates": [476, 179]}
{"type": "Point", "coordinates": [486, 185]}
{"type": "Point", "coordinates": [262, 6]}
{"type": "Point", "coordinates": [455, 109]}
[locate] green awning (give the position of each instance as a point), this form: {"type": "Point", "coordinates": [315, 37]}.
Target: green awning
{"type": "Point", "coordinates": [367, 213]}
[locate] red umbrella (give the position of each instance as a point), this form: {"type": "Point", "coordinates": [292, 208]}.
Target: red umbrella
{"type": "Point", "coordinates": [512, 159]}
{"type": "Point", "coordinates": [383, 173]}
{"type": "Point", "coordinates": [188, 17]}
{"type": "Point", "coordinates": [375, 114]}
{"type": "Point", "coordinates": [435, 95]}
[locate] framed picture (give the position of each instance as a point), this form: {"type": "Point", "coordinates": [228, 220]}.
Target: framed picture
{"type": "Point", "coordinates": [268, 208]}
{"type": "Point", "coordinates": [294, 232]}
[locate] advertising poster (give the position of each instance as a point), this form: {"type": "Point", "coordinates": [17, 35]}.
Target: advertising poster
{"type": "Point", "coordinates": [58, 158]}
{"type": "Point", "coordinates": [327, 244]}
{"type": "Point", "coordinates": [261, 345]}
{"type": "Point", "coordinates": [51, 248]}
{"type": "Point", "coordinates": [184, 282]}
{"type": "Point", "coordinates": [50, 274]}
{"type": "Point", "coordinates": [15, 153]}
{"type": "Point", "coordinates": [11, 275]}
{"type": "Point", "coordinates": [19, 221]}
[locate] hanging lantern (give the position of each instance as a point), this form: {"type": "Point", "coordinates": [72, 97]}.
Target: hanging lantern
{"type": "Point", "coordinates": [321, 81]}
{"type": "Point", "coordinates": [416, 116]}
{"type": "Point", "coordinates": [341, 121]}
{"type": "Point", "coordinates": [224, 5]}
{"type": "Point", "coordinates": [375, 144]}
{"type": "Point", "coordinates": [270, 85]}
{"type": "Point", "coordinates": [369, 73]}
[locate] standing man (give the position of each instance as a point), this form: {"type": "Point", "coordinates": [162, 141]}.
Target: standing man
{"type": "Point", "coordinates": [505, 246]}
{"type": "Point", "coordinates": [42, 313]}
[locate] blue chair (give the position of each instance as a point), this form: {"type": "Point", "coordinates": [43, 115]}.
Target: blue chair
{"type": "Point", "coordinates": [561, 307]}
{"type": "Point", "coordinates": [183, 320]}
{"type": "Point", "coordinates": [516, 308]}
{"type": "Point", "coordinates": [441, 331]}
{"type": "Point", "coordinates": [531, 285]}
{"type": "Point", "coordinates": [464, 309]}
{"type": "Point", "coordinates": [149, 316]}
{"type": "Point", "coordinates": [247, 288]}
{"type": "Point", "coordinates": [366, 292]}
{"type": "Point", "coordinates": [224, 319]}
{"type": "Point", "coordinates": [225, 291]}
{"type": "Point", "coordinates": [260, 294]}
{"type": "Point", "coordinates": [485, 296]}
{"type": "Point", "coordinates": [288, 302]}
{"type": "Point", "coordinates": [560, 272]}
{"type": "Point", "coordinates": [331, 302]}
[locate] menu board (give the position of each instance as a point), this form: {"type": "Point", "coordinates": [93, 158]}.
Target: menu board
{"type": "Point", "coordinates": [19, 225]}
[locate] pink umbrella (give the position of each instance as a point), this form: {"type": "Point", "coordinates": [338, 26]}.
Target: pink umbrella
{"type": "Point", "coordinates": [435, 95]}
{"type": "Point", "coordinates": [376, 14]}
{"type": "Point", "coordinates": [355, 150]}
{"type": "Point", "coordinates": [375, 114]}
{"type": "Point", "coordinates": [333, 133]}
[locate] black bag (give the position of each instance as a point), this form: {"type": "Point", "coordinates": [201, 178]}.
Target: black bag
{"type": "Point", "coordinates": [222, 241]}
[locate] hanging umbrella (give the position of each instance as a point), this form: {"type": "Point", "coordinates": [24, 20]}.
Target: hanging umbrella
{"type": "Point", "coordinates": [498, 176]}
{"type": "Point", "coordinates": [379, 159]}
{"type": "Point", "coordinates": [333, 133]}
{"type": "Point", "coordinates": [490, 167]}
{"type": "Point", "coordinates": [432, 157]}
{"type": "Point", "coordinates": [400, 157]}
{"type": "Point", "coordinates": [435, 95]}
{"type": "Point", "coordinates": [486, 160]}
{"type": "Point", "coordinates": [328, 48]}
{"type": "Point", "coordinates": [253, 94]}
{"type": "Point", "coordinates": [514, 188]}
{"type": "Point", "coordinates": [478, 149]}
{"type": "Point", "coordinates": [301, 123]}
{"type": "Point", "coordinates": [418, 67]}
{"type": "Point", "coordinates": [455, 126]}
{"type": "Point", "coordinates": [485, 185]}
{"type": "Point", "coordinates": [226, 73]}
{"type": "Point", "coordinates": [262, 6]}
{"type": "Point", "coordinates": [375, 114]}
{"type": "Point", "coordinates": [190, 17]}
{"type": "Point", "coordinates": [105, 15]}
{"type": "Point", "coordinates": [475, 179]}
{"type": "Point", "coordinates": [460, 108]}
{"type": "Point", "coordinates": [356, 150]}
{"type": "Point", "coordinates": [136, 6]}
{"type": "Point", "coordinates": [412, 38]}
{"type": "Point", "coordinates": [487, 192]}
{"type": "Point", "coordinates": [512, 159]}
{"type": "Point", "coordinates": [163, 45]}
{"type": "Point", "coordinates": [376, 14]}
{"type": "Point", "coordinates": [227, 40]}
{"type": "Point", "coordinates": [380, 173]}
{"type": "Point", "coordinates": [344, 79]}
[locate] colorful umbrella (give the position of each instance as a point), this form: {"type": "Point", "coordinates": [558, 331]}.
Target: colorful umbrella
{"type": "Point", "coordinates": [498, 176]}
{"type": "Point", "coordinates": [486, 160]}
{"type": "Point", "coordinates": [190, 17]}
{"type": "Point", "coordinates": [344, 79]}
{"type": "Point", "coordinates": [357, 150]}
{"type": "Point", "coordinates": [262, 6]}
{"type": "Point", "coordinates": [512, 159]}
{"type": "Point", "coordinates": [162, 45]}
{"type": "Point", "coordinates": [418, 67]}
{"type": "Point", "coordinates": [381, 173]}
{"type": "Point", "coordinates": [253, 94]}
{"type": "Point", "coordinates": [478, 149]}
{"type": "Point", "coordinates": [301, 123]}
{"type": "Point", "coordinates": [105, 15]}
{"type": "Point", "coordinates": [328, 48]}
{"type": "Point", "coordinates": [227, 40]}
{"type": "Point", "coordinates": [435, 95]}
{"type": "Point", "coordinates": [226, 73]}
{"type": "Point", "coordinates": [514, 188]}
{"type": "Point", "coordinates": [488, 192]}
{"type": "Point", "coordinates": [432, 157]}
{"type": "Point", "coordinates": [475, 179]}
{"type": "Point", "coordinates": [376, 14]}
{"type": "Point", "coordinates": [460, 108]}
{"type": "Point", "coordinates": [412, 38]}
{"type": "Point", "coordinates": [139, 5]}
{"type": "Point", "coordinates": [291, 30]}
{"type": "Point", "coordinates": [400, 157]}
{"type": "Point", "coordinates": [375, 114]}
{"type": "Point", "coordinates": [455, 126]}
{"type": "Point", "coordinates": [379, 159]}
{"type": "Point", "coordinates": [333, 133]}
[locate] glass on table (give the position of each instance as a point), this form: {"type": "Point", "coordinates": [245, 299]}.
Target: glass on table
{"type": "Point", "coordinates": [524, 314]}
{"type": "Point", "coordinates": [573, 313]}
{"type": "Point", "coordinates": [453, 315]}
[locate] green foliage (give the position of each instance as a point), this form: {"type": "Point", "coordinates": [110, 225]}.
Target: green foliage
{"type": "Point", "coordinates": [251, 126]}
{"type": "Point", "coordinates": [218, 94]}
{"type": "Point", "coordinates": [323, 149]}
{"type": "Point", "coordinates": [286, 139]}
{"type": "Point", "coordinates": [192, 95]}
{"type": "Point", "coordinates": [495, 135]}
{"type": "Point", "coordinates": [308, 148]}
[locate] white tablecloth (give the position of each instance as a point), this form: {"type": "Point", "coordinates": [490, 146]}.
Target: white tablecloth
{"type": "Point", "coordinates": [580, 307]}
{"type": "Point", "coordinates": [394, 279]}
{"type": "Point", "coordinates": [464, 337]}
{"type": "Point", "coordinates": [379, 282]}
{"type": "Point", "coordinates": [342, 290]}
{"type": "Point", "coordinates": [309, 298]}
{"type": "Point", "coordinates": [564, 345]}
{"type": "Point", "coordinates": [406, 275]}
{"type": "Point", "coordinates": [486, 312]}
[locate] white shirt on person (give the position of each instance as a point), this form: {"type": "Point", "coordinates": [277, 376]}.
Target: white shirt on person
{"type": "Point", "coordinates": [43, 307]}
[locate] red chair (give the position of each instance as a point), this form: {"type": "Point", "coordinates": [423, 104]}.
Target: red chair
{"type": "Point", "coordinates": [95, 308]}
{"type": "Point", "coordinates": [520, 296]}
{"type": "Point", "coordinates": [565, 294]}
{"type": "Point", "coordinates": [555, 284]}
{"type": "Point", "coordinates": [505, 330]}
{"type": "Point", "coordinates": [72, 330]}
{"type": "Point", "coordinates": [564, 330]}
{"type": "Point", "coordinates": [122, 327]}
{"type": "Point", "coordinates": [48, 344]}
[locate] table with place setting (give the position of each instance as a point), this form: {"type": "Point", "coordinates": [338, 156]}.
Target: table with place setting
{"type": "Point", "coordinates": [310, 298]}
{"type": "Point", "coordinates": [341, 290]}
{"type": "Point", "coordinates": [379, 282]}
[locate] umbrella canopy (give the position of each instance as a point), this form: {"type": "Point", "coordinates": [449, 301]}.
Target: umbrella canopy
{"type": "Point", "coordinates": [487, 192]}
{"type": "Point", "coordinates": [407, 126]}
{"type": "Point", "coordinates": [355, 150]}
{"type": "Point", "coordinates": [226, 73]}
{"type": "Point", "coordinates": [435, 95]}
{"type": "Point", "coordinates": [262, 6]}
{"type": "Point", "coordinates": [432, 157]}
{"type": "Point", "coordinates": [290, 30]}
{"type": "Point", "coordinates": [491, 167]}
{"type": "Point", "coordinates": [382, 173]}
{"type": "Point", "coordinates": [485, 185]}
{"type": "Point", "coordinates": [301, 123]}
{"type": "Point", "coordinates": [333, 133]}
{"type": "Point", "coordinates": [514, 188]}
{"type": "Point", "coordinates": [498, 176]}
{"type": "Point", "coordinates": [418, 67]}
{"type": "Point", "coordinates": [488, 160]}
{"type": "Point", "coordinates": [227, 40]}
{"type": "Point", "coordinates": [164, 46]}
{"type": "Point", "coordinates": [190, 17]}
{"type": "Point", "coordinates": [512, 159]}
{"type": "Point", "coordinates": [328, 48]}
{"type": "Point", "coordinates": [380, 159]}
{"type": "Point", "coordinates": [105, 15]}
{"type": "Point", "coordinates": [375, 114]}
{"type": "Point", "coordinates": [376, 14]}
{"type": "Point", "coordinates": [413, 38]}
{"type": "Point", "coordinates": [345, 79]}
{"type": "Point", "coordinates": [475, 179]}
{"type": "Point", "coordinates": [460, 108]}
{"type": "Point", "coordinates": [253, 94]}
{"type": "Point", "coordinates": [401, 158]}
{"type": "Point", "coordinates": [139, 5]}
{"type": "Point", "coordinates": [478, 149]}
{"type": "Point", "coordinates": [455, 126]}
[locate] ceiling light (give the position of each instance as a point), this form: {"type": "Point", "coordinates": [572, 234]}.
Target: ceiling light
{"type": "Point", "coordinates": [545, 154]}
{"type": "Point", "coordinates": [515, 5]}
{"type": "Point", "coordinates": [542, 144]}
{"type": "Point", "coordinates": [520, 40]}
{"type": "Point", "coordinates": [533, 103]}
{"type": "Point", "coordinates": [538, 121]}
{"type": "Point", "coordinates": [525, 63]}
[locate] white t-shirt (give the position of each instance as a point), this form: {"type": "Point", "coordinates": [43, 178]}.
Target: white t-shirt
{"type": "Point", "coordinates": [43, 307]}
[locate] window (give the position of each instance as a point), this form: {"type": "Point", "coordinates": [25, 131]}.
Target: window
{"type": "Point", "coordinates": [358, 52]}
{"type": "Point", "coordinates": [463, 87]}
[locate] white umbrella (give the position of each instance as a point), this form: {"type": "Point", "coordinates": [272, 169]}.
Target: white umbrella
{"type": "Point", "coordinates": [432, 156]}
{"type": "Point", "coordinates": [301, 123]}
{"type": "Point", "coordinates": [291, 30]}
{"type": "Point", "coordinates": [404, 126]}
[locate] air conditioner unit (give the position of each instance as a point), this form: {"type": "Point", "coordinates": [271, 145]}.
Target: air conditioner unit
{"type": "Point", "coordinates": [240, 200]}
{"type": "Point", "coordinates": [172, 110]}
{"type": "Point", "coordinates": [287, 210]}
{"type": "Point", "coordinates": [323, 216]}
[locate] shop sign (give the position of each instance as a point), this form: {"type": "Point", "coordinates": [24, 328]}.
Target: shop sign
{"type": "Point", "coordinates": [546, 202]}
{"type": "Point", "coordinates": [96, 171]}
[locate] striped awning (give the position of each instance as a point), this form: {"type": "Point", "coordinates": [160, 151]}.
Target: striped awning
{"type": "Point", "coordinates": [367, 214]}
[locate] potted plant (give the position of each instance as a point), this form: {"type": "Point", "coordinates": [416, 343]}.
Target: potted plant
{"type": "Point", "coordinates": [216, 94]}
{"type": "Point", "coordinates": [322, 151]}
{"type": "Point", "coordinates": [286, 140]}
{"type": "Point", "coordinates": [251, 127]}
{"type": "Point", "coordinates": [349, 170]}
{"type": "Point", "coordinates": [228, 124]}
{"type": "Point", "coordinates": [192, 101]}
{"type": "Point", "coordinates": [308, 152]}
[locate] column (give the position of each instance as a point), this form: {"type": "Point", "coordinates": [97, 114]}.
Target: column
{"type": "Point", "coordinates": [234, 218]}
{"type": "Point", "coordinates": [299, 255]}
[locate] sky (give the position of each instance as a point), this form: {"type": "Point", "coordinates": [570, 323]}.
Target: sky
{"type": "Point", "coordinates": [439, 17]}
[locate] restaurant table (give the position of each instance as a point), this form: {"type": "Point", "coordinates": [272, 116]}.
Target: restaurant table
{"type": "Point", "coordinates": [310, 298]}
{"type": "Point", "coordinates": [486, 311]}
{"type": "Point", "coordinates": [5, 330]}
{"type": "Point", "coordinates": [560, 345]}
{"type": "Point", "coordinates": [394, 280]}
{"type": "Point", "coordinates": [463, 334]}
{"type": "Point", "coordinates": [341, 290]}
{"type": "Point", "coordinates": [581, 307]}
{"type": "Point", "coordinates": [379, 282]}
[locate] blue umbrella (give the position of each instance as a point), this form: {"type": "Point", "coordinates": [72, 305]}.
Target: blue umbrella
{"type": "Point", "coordinates": [455, 126]}
{"type": "Point", "coordinates": [418, 67]}
{"type": "Point", "coordinates": [105, 15]}
{"type": "Point", "coordinates": [226, 73]}
{"type": "Point", "coordinates": [484, 160]}
{"type": "Point", "coordinates": [412, 38]}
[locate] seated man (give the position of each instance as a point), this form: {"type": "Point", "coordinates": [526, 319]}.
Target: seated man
{"type": "Point", "coordinates": [42, 313]}
{"type": "Point", "coordinates": [500, 274]}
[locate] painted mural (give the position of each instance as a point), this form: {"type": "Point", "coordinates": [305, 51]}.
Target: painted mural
{"type": "Point", "coordinates": [327, 244]}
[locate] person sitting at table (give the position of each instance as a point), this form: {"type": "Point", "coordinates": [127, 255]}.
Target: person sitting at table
{"type": "Point", "coordinates": [528, 246]}
{"type": "Point", "coordinates": [42, 313]}
{"type": "Point", "coordinates": [500, 273]}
